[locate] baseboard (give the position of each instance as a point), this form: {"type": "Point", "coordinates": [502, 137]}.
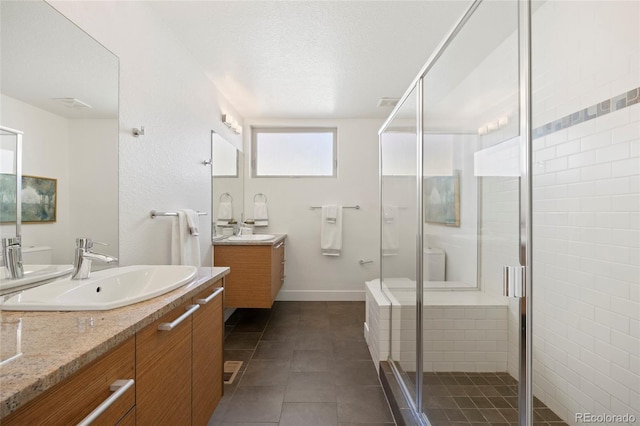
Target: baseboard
{"type": "Point", "coordinates": [321, 295]}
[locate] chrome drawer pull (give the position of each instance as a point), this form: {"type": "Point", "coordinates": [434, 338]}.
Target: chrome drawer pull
{"type": "Point", "coordinates": [211, 297]}
{"type": "Point", "coordinates": [119, 387]}
{"type": "Point", "coordinates": [168, 326]}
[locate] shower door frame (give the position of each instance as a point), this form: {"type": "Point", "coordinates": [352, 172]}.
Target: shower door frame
{"type": "Point", "coordinates": [525, 347]}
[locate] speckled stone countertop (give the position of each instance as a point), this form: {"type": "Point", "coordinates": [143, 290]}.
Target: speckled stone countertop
{"type": "Point", "coordinates": [55, 345]}
{"type": "Point", "coordinates": [273, 241]}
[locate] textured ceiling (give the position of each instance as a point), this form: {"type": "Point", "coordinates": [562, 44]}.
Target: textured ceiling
{"type": "Point", "coordinates": [310, 59]}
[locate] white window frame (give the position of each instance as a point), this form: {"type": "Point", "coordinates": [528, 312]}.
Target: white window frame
{"type": "Point", "coordinates": [254, 148]}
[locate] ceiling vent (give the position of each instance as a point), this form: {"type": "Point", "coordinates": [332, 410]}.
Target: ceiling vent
{"type": "Point", "coordinates": [72, 103]}
{"type": "Point", "coordinates": [388, 102]}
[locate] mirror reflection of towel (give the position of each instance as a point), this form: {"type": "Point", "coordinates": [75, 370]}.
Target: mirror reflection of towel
{"type": "Point", "coordinates": [390, 230]}
{"type": "Point", "coordinates": [225, 213]}
{"type": "Point", "coordinates": [331, 230]}
{"type": "Point", "coordinates": [260, 214]}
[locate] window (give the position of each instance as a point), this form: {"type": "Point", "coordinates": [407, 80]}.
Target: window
{"type": "Point", "coordinates": [294, 152]}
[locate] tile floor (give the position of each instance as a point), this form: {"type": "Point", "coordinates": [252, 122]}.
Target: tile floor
{"type": "Point", "coordinates": [478, 399]}
{"type": "Point", "coordinates": [305, 364]}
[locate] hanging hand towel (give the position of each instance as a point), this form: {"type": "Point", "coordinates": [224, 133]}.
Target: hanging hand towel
{"type": "Point", "coordinates": [225, 213]}
{"type": "Point", "coordinates": [260, 214]}
{"type": "Point", "coordinates": [390, 231]}
{"type": "Point", "coordinates": [192, 221]}
{"type": "Point", "coordinates": [185, 248]}
{"type": "Point", "coordinates": [331, 230]}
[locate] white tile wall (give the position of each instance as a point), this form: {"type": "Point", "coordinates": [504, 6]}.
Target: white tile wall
{"type": "Point", "coordinates": [456, 338]}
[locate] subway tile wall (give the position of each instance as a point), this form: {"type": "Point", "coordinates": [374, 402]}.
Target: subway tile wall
{"type": "Point", "coordinates": [586, 207]}
{"type": "Point", "coordinates": [586, 254]}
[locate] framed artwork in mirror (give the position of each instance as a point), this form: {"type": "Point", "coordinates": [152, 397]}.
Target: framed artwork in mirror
{"type": "Point", "coordinates": [442, 199]}
{"type": "Point", "coordinates": [39, 199]}
{"type": "Point", "coordinates": [7, 198]}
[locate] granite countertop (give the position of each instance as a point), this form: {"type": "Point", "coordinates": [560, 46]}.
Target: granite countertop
{"type": "Point", "coordinates": [54, 345]}
{"type": "Point", "coordinates": [225, 242]}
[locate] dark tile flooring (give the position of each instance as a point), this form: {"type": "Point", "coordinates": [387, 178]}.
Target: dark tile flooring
{"type": "Point", "coordinates": [477, 399]}
{"type": "Point", "coordinates": [305, 364]}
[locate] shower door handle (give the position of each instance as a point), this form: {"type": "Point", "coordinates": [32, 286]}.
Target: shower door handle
{"type": "Point", "coordinates": [514, 281]}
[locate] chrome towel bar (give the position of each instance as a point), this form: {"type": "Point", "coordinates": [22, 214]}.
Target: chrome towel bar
{"type": "Point", "coordinates": [357, 207]}
{"type": "Point", "coordinates": [155, 213]}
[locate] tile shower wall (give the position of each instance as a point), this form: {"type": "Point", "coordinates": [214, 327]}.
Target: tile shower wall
{"type": "Point", "coordinates": [586, 202]}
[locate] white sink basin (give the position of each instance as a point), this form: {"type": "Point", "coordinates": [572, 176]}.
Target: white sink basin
{"type": "Point", "coordinates": [253, 237]}
{"type": "Point", "coordinates": [33, 274]}
{"type": "Point", "coordinates": [106, 289]}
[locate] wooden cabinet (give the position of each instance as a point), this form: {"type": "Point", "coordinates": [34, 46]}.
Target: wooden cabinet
{"type": "Point", "coordinates": [70, 401]}
{"type": "Point", "coordinates": [163, 371]}
{"type": "Point", "coordinates": [207, 368]}
{"type": "Point", "coordinates": [173, 369]}
{"type": "Point", "coordinates": [257, 273]}
{"type": "Point", "coordinates": [179, 363]}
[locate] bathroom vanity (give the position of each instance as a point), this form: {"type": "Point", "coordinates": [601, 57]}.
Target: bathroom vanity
{"type": "Point", "coordinates": [162, 357]}
{"type": "Point", "coordinates": [257, 271]}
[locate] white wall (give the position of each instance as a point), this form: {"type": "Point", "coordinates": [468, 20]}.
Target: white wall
{"type": "Point", "coordinates": [93, 182]}
{"type": "Point", "coordinates": [309, 274]}
{"type": "Point", "coordinates": [163, 89]}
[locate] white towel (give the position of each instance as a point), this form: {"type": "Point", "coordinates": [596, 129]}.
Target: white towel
{"type": "Point", "coordinates": [225, 213]}
{"type": "Point", "coordinates": [331, 230]}
{"type": "Point", "coordinates": [185, 248]}
{"type": "Point", "coordinates": [330, 212]}
{"type": "Point", "coordinates": [260, 214]}
{"type": "Point", "coordinates": [390, 230]}
{"type": "Point", "coordinates": [192, 221]}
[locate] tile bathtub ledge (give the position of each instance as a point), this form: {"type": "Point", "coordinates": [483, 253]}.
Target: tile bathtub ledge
{"type": "Point", "coordinates": [55, 345]}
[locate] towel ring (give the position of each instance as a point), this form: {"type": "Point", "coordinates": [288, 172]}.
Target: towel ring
{"type": "Point", "coordinates": [258, 195]}
{"type": "Point", "coordinates": [225, 194]}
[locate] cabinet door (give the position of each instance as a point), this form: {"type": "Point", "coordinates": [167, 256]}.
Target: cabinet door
{"type": "Point", "coordinates": [163, 372]}
{"type": "Point", "coordinates": [207, 382]}
{"type": "Point", "coordinates": [277, 269]}
{"type": "Point", "coordinates": [248, 285]}
{"type": "Point", "coordinates": [72, 400]}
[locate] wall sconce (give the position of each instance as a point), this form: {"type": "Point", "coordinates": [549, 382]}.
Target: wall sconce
{"type": "Point", "coordinates": [231, 123]}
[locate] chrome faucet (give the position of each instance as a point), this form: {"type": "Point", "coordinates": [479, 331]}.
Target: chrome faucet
{"type": "Point", "coordinates": [240, 228]}
{"type": "Point", "coordinates": [83, 257]}
{"type": "Point", "coordinates": [12, 253]}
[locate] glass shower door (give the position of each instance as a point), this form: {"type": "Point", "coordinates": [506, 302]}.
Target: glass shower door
{"type": "Point", "coordinates": [399, 233]}
{"type": "Point", "coordinates": [471, 217]}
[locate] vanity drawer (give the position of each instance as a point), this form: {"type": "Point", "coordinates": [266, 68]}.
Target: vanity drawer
{"type": "Point", "coordinates": [69, 402]}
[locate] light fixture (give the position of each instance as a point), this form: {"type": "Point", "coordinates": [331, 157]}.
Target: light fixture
{"type": "Point", "coordinates": [388, 102]}
{"type": "Point", "coordinates": [231, 123]}
{"type": "Point", "coordinates": [72, 103]}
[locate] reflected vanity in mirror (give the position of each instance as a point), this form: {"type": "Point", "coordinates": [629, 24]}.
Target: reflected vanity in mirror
{"type": "Point", "coordinates": [59, 88]}
{"type": "Point", "coordinates": [227, 186]}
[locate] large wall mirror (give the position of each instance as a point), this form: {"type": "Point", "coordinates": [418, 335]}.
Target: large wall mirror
{"type": "Point", "coordinates": [59, 87]}
{"type": "Point", "coordinates": [227, 185]}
